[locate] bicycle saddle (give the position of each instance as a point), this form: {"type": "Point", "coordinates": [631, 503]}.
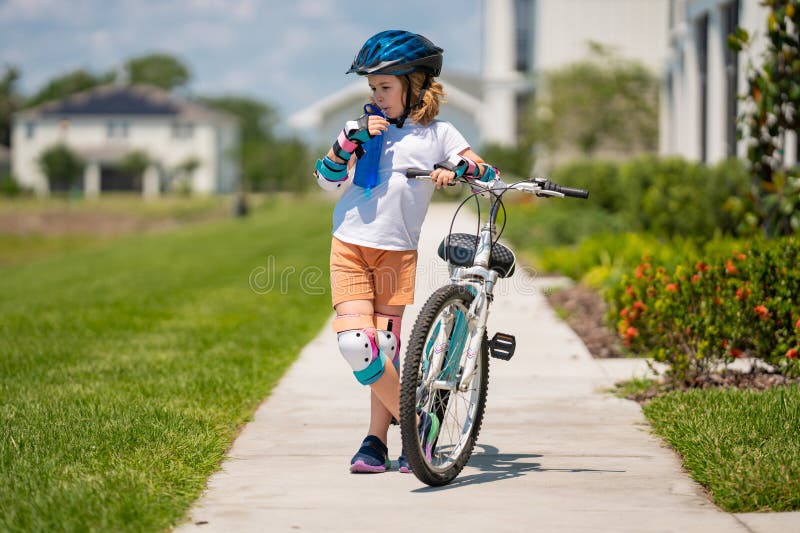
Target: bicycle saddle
{"type": "Point", "coordinates": [460, 248]}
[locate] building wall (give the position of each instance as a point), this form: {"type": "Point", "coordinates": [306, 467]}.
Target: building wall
{"type": "Point", "coordinates": [154, 136]}
{"type": "Point", "coordinates": [703, 77]}
{"type": "Point", "coordinates": [635, 29]}
{"type": "Point", "coordinates": [554, 34]}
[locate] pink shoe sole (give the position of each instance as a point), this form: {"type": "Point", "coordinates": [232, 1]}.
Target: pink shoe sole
{"type": "Point", "coordinates": [360, 467]}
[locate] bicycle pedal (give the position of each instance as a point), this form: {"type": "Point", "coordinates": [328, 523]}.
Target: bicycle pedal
{"type": "Point", "coordinates": [502, 346]}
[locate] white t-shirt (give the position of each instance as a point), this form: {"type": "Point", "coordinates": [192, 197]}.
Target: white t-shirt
{"type": "Point", "coordinates": [390, 218]}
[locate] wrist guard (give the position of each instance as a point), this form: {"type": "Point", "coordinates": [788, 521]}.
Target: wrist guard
{"type": "Point", "coordinates": [354, 134]}
{"type": "Point", "coordinates": [330, 174]}
{"type": "Point", "coordinates": [463, 166]}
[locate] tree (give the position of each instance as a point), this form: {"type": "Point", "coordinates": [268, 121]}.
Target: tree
{"type": "Point", "coordinates": [135, 162]}
{"type": "Point", "coordinates": [161, 70]}
{"type": "Point", "coordinates": [62, 166]}
{"type": "Point", "coordinates": [267, 162]}
{"type": "Point", "coordinates": [257, 120]}
{"type": "Point", "coordinates": [771, 106]}
{"type": "Point", "coordinates": [67, 84]}
{"type": "Point", "coordinates": [604, 102]}
{"type": "Point", "coordinates": [10, 101]}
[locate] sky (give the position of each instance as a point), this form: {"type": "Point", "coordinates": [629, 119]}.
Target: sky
{"type": "Point", "coordinates": [287, 53]}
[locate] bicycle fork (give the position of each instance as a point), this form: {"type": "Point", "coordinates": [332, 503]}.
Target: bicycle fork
{"type": "Point", "coordinates": [474, 321]}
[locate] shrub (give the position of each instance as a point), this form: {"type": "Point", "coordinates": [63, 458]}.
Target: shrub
{"type": "Point", "coordinates": [601, 178]}
{"type": "Point", "coordinates": [601, 260]}
{"type": "Point", "coordinates": [666, 196]}
{"type": "Point", "coordinates": [62, 166]}
{"type": "Point", "coordinates": [770, 111]}
{"type": "Point", "coordinates": [703, 313]}
{"type": "Point", "coordinates": [10, 186]}
{"type": "Point", "coordinates": [552, 222]}
{"type": "Point", "coordinates": [673, 197]}
{"type": "Point", "coordinates": [511, 161]}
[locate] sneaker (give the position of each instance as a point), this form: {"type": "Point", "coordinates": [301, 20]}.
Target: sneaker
{"type": "Point", "coordinates": [371, 458]}
{"type": "Point", "coordinates": [428, 431]}
{"type": "Point", "coordinates": [402, 464]}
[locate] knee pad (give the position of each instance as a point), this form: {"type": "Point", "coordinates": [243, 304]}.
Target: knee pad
{"type": "Point", "coordinates": [357, 342]}
{"type": "Point", "coordinates": [360, 348]}
{"type": "Point", "coordinates": [388, 334]}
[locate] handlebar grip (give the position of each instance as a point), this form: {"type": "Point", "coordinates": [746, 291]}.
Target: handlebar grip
{"type": "Point", "coordinates": [574, 193]}
{"type": "Point", "coordinates": [417, 172]}
{"type": "Point", "coordinates": [566, 191]}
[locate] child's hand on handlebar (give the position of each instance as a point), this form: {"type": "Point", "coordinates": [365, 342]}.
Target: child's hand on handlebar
{"type": "Point", "coordinates": [443, 177]}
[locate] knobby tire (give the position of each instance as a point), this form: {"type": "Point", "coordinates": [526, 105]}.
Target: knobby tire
{"type": "Point", "coordinates": [415, 353]}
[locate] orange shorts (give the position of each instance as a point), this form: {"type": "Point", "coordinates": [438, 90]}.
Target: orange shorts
{"type": "Point", "coordinates": [361, 273]}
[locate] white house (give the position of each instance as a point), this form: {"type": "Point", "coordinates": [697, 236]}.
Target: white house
{"type": "Point", "coordinates": [182, 140]}
{"type": "Point", "coordinates": [703, 77]}
{"type": "Point", "coordinates": [521, 38]}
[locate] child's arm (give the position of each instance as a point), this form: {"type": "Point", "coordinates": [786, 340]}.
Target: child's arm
{"type": "Point", "coordinates": [331, 171]}
{"type": "Point", "coordinates": [470, 165]}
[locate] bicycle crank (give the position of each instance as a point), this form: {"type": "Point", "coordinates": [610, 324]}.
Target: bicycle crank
{"type": "Point", "coordinates": [502, 346]}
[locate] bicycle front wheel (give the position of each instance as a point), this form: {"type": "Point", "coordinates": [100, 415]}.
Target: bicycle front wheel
{"type": "Point", "coordinates": [433, 368]}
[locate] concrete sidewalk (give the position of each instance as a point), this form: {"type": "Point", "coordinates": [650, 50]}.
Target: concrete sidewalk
{"type": "Point", "coordinates": [556, 453]}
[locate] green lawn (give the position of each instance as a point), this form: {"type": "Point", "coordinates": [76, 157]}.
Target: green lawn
{"type": "Point", "coordinates": [742, 445]}
{"type": "Point", "coordinates": [127, 367]}
{"type": "Point", "coordinates": [177, 207]}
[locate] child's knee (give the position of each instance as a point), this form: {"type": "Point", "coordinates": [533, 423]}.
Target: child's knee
{"type": "Point", "coordinates": [359, 347]}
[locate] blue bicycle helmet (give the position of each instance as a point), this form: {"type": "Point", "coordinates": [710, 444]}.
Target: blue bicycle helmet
{"type": "Point", "coordinates": [398, 53]}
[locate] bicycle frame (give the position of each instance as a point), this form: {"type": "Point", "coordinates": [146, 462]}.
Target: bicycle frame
{"type": "Point", "coordinates": [481, 278]}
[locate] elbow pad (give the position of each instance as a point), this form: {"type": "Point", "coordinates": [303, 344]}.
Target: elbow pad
{"type": "Point", "coordinates": [330, 174]}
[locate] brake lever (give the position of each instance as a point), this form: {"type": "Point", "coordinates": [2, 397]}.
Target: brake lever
{"type": "Point", "coordinates": [544, 193]}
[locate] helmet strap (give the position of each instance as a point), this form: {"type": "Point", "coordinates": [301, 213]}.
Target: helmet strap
{"type": "Point", "coordinates": [425, 86]}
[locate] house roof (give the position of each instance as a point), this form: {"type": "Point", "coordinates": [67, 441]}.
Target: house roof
{"type": "Point", "coordinates": [137, 100]}
{"type": "Point", "coordinates": [313, 116]}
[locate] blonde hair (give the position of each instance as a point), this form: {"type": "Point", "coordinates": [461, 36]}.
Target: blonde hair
{"type": "Point", "coordinates": [427, 110]}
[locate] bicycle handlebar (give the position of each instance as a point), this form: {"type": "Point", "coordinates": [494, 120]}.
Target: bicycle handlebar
{"type": "Point", "coordinates": [538, 186]}
{"type": "Point", "coordinates": [417, 173]}
{"type": "Point", "coordinates": [548, 185]}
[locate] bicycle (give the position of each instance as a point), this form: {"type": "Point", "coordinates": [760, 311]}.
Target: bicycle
{"type": "Point", "coordinates": [446, 366]}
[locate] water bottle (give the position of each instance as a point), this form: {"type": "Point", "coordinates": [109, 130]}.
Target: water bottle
{"type": "Point", "coordinates": [366, 175]}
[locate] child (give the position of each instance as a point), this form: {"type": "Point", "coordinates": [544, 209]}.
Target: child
{"type": "Point", "coordinates": [377, 221]}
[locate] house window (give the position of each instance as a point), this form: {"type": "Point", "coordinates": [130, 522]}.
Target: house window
{"type": "Point", "coordinates": [523, 12]}
{"type": "Point", "coordinates": [117, 129]}
{"type": "Point", "coordinates": [730, 20]}
{"type": "Point", "coordinates": [701, 33]}
{"type": "Point", "coordinates": [182, 130]}
{"type": "Point", "coordinates": [30, 129]}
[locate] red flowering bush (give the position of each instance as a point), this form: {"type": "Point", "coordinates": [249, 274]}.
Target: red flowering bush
{"type": "Point", "coordinates": [696, 316]}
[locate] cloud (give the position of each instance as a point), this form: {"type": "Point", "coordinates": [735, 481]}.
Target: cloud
{"type": "Point", "coordinates": [238, 10]}
{"type": "Point", "coordinates": [196, 35]}
{"type": "Point", "coordinates": [20, 10]}
{"type": "Point", "coordinates": [315, 9]}
{"type": "Point", "coordinates": [289, 53]}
